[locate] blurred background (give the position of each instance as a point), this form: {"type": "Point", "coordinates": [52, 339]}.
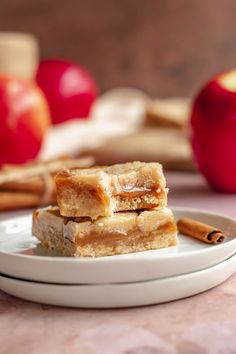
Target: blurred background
{"type": "Point", "coordinates": [115, 81]}
{"type": "Point", "coordinates": [165, 48]}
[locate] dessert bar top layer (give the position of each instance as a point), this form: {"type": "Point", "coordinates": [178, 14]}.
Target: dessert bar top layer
{"type": "Point", "coordinates": [100, 191]}
{"type": "Point", "coordinates": [121, 223]}
{"type": "Point", "coordinates": [146, 221]}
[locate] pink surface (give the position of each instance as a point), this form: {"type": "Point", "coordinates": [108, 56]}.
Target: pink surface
{"type": "Point", "coordinates": [205, 323]}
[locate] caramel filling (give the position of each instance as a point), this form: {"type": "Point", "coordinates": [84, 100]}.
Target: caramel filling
{"type": "Point", "coordinates": [135, 191]}
{"type": "Point", "coordinates": [110, 238]}
{"type": "Point", "coordinates": [127, 191]}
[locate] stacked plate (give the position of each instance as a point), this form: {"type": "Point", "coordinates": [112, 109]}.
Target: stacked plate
{"type": "Point", "coordinates": [144, 278]}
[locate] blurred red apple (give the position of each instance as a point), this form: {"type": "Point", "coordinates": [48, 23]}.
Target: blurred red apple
{"type": "Point", "coordinates": [213, 137]}
{"type": "Point", "coordinates": [24, 117]}
{"type": "Point", "coordinates": [69, 88]}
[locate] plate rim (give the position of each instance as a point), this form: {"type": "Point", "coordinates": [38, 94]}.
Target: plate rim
{"type": "Point", "coordinates": [92, 295]}
{"type": "Point", "coordinates": [118, 258]}
{"type": "Point", "coordinates": [147, 281]}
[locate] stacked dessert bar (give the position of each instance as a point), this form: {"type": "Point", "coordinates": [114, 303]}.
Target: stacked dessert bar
{"type": "Point", "coordinates": [104, 211]}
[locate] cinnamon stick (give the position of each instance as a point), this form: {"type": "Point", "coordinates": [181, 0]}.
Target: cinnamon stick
{"type": "Point", "coordinates": [28, 171]}
{"type": "Point", "coordinates": [34, 185]}
{"type": "Point", "coordinates": [200, 231]}
{"type": "Point", "coordinates": [10, 200]}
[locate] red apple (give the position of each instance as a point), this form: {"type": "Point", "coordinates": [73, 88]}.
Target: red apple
{"type": "Point", "coordinates": [213, 137]}
{"type": "Point", "coordinates": [24, 117]}
{"type": "Point", "coordinates": [69, 88]}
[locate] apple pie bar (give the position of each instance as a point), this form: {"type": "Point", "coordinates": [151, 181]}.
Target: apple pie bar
{"type": "Point", "coordinates": [121, 233]}
{"type": "Point", "coordinates": [101, 191]}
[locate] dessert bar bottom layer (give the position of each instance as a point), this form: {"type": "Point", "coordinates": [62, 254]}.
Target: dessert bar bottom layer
{"type": "Point", "coordinates": [121, 233]}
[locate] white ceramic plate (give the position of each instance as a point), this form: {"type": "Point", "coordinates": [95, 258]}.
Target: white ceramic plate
{"type": "Point", "coordinates": [120, 295]}
{"type": "Point", "coordinates": [22, 257]}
